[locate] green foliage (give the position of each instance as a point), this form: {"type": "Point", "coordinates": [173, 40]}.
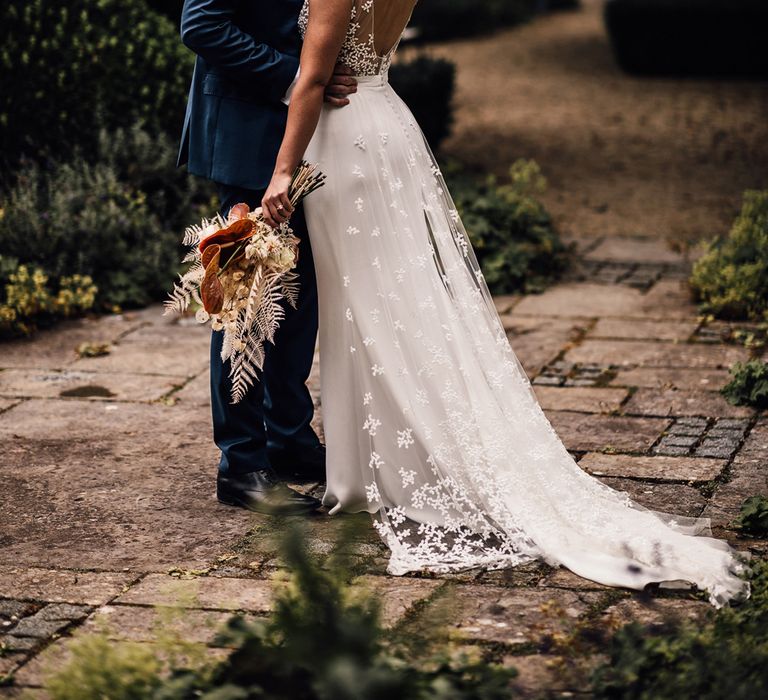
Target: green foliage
{"type": "Point", "coordinates": [118, 221]}
{"type": "Point", "coordinates": [748, 385]}
{"type": "Point", "coordinates": [725, 657]}
{"type": "Point", "coordinates": [511, 231]}
{"type": "Point", "coordinates": [753, 517]}
{"type": "Point", "coordinates": [448, 19]}
{"type": "Point", "coordinates": [28, 300]}
{"type": "Point", "coordinates": [427, 85]}
{"type": "Point", "coordinates": [323, 641]}
{"type": "Point", "coordinates": [101, 668]}
{"type": "Point", "coordinates": [69, 69]}
{"type": "Point", "coordinates": [731, 279]}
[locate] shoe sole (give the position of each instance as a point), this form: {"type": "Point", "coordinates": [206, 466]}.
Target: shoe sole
{"type": "Point", "coordinates": [228, 500]}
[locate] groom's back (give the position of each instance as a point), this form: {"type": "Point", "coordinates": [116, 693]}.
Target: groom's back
{"type": "Point", "coordinates": [248, 55]}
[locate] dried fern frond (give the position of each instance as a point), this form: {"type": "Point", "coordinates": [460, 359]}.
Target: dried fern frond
{"type": "Point", "coordinates": [252, 269]}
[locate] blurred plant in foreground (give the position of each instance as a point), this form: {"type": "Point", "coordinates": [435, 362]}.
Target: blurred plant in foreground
{"type": "Point", "coordinates": [726, 656]}
{"type": "Point", "coordinates": [323, 641]}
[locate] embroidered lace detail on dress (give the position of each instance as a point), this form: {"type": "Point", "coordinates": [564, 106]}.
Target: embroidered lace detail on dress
{"type": "Point", "coordinates": [359, 49]}
{"type": "Point", "coordinates": [430, 420]}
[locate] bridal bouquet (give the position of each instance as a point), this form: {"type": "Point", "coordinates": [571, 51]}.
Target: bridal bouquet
{"type": "Point", "coordinates": [242, 270]}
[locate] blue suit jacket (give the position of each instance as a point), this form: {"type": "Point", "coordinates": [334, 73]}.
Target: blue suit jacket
{"type": "Point", "coordinates": [247, 58]}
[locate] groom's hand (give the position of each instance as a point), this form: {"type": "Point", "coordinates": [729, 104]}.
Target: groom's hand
{"type": "Point", "coordinates": [342, 85]}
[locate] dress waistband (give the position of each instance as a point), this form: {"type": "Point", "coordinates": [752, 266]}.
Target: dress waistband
{"type": "Point", "coordinates": [378, 80]}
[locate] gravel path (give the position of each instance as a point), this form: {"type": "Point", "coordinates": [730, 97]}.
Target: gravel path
{"type": "Point", "coordinates": [654, 157]}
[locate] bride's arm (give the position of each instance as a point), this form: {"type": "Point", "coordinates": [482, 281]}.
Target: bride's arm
{"type": "Point", "coordinates": [328, 24]}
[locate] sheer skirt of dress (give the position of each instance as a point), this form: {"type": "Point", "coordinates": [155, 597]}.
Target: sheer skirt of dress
{"type": "Point", "coordinates": [430, 420]}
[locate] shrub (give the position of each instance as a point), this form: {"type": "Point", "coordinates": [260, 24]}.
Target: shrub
{"type": "Point", "coordinates": [323, 641]}
{"type": "Point", "coordinates": [118, 221]}
{"type": "Point", "coordinates": [753, 517]}
{"type": "Point", "coordinates": [448, 19]}
{"type": "Point", "coordinates": [682, 37]}
{"type": "Point", "coordinates": [27, 300]}
{"type": "Point", "coordinates": [68, 69]}
{"type": "Point", "coordinates": [427, 85]}
{"type": "Point", "coordinates": [726, 657]}
{"type": "Point", "coordinates": [748, 385]}
{"type": "Point", "coordinates": [731, 279]}
{"type": "Point", "coordinates": [511, 231]}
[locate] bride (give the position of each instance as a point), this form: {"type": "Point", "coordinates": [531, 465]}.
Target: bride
{"type": "Point", "coordinates": [430, 420]}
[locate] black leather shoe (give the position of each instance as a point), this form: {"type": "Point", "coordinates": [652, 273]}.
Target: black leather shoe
{"type": "Point", "coordinates": [261, 492]}
{"type": "Point", "coordinates": [304, 463]}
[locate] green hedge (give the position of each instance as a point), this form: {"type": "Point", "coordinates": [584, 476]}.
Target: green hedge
{"type": "Point", "coordinates": [119, 221]}
{"type": "Point", "coordinates": [427, 85]}
{"type": "Point", "coordinates": [731, 278]}
{"type": "Point", "coordinates": [69, 69]}
{"type": "Point", "coordinates": [448, 19]}
{"type": "Point", "coordinates": [511, 230]}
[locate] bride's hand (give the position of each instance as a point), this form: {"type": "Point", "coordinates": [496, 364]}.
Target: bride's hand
{"type": "Point", "coordinates": [276, 205]}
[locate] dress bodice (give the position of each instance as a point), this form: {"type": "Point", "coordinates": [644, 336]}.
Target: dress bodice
{"type": "Point", "coordinates": [361, 51]}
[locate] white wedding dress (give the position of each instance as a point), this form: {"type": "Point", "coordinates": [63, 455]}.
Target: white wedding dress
{"type": "Point", "coordinates": [430, 420]}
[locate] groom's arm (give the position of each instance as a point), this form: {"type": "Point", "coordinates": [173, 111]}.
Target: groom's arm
{"type": "Point", "coordinates": [208, 29]}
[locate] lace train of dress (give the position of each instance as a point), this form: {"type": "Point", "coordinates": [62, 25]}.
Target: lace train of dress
{"type": "Point", "coordinates": [430, 420]}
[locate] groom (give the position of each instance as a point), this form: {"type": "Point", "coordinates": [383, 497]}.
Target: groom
{"type": "Point", "coordinates": [247, 64]}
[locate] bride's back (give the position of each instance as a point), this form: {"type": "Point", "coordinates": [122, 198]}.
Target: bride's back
{"type": "Point", "coordinates": [374, 32]}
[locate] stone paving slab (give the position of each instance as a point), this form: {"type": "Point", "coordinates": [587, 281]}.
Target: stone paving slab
{"type": "Point", "coordinates": [136, 488]}
{"type": "Point", "coordinates": [398, 595]}
{"type": "Point", "coordinates": [197, 392]}
{"type": "Point", "coordinates": [516, 616]}
{"type": "Point", "coordinates": [634, 249]}
{"type": "Point", "coordinates": [149, 350]}
{"type": "Point", "coordinates": [670, 298]}
{"type": "Point", "coordinates": [655, 611]}
{"type": "Point", "coordinates": [756, 444]}
{"type": "Point", "coordinates": [61, 586]}
{"type": "Point", "coordinates": [538, 341]}
{"type": "Point", "coordinates": [748, 477]}
{"type": "Point", "coordinates": [624, 353]}
{"type": "Point", "coordinates": [642, 329]}
{"type": "Point", "coordinates": [206, 592]}
{"type": "Point", "coordinates": [564, 578]}
{"type": "Point", "coordinates": [9, 661]}
{"type": "Point", "coordinates": [589, 432]}
{"type": "Point", "coordinates": [550, 676]}
{"type": "Point", "coordinates": [55, 348]}
{"type": "Point", "coordinates": [142, 624]}
{"type": "Point", "coordinates": [34, 673]}
{"type": "Point", "coordinates": [582, 300]}
{"type": "Point", "coordinates": [701, 379]}
{"type": "Point", "coordinates": [652, 467]}
{"type": "Point", "coordinates": [89, 385]}
{"type": "Point", "coordinates": [678, 499]}
{"type": "Point", "coordinates": [584, 399]}
{"type": "Point", "coordinates": [5, 404]}
{"type": "Point", "coordinates": [504, 303]}
{"type": "Point", "coordinates": [675, 402]}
